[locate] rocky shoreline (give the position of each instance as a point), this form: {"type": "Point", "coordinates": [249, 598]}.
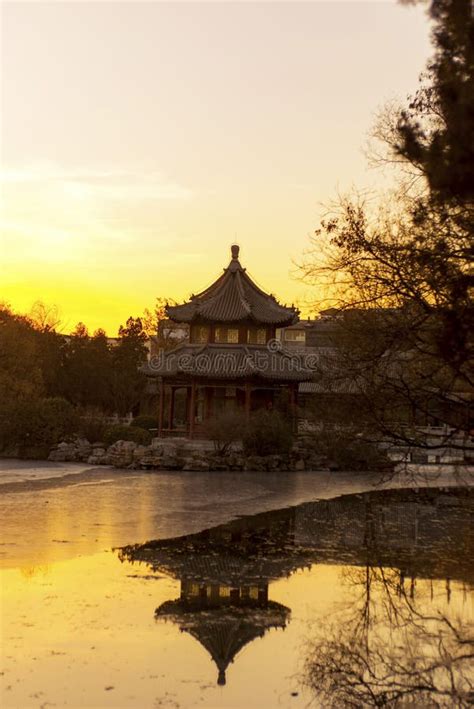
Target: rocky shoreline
{"type": "Point", "coordinates": [182, 454]}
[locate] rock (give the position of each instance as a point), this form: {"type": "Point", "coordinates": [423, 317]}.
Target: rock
{"type": "Point", "coordinates": [192, 464]}
{"type": "Point", "coordinates": [120, 454]}
{"type": "Point", "coordinates": [169, 462]}
{"type": "Point", "coordinates": [82, 443]}
{"type": "Point", "coordinates": [140, 452]}
{"type": "Point", "coordinates": [176, 454]}
{"type": "Point", "coordinates": [64, 452]}
{"type": "Point", "coordinates": [171, 450]}
{"type": "Point", "coordinates": [199, 455]}
{"type": "Point", "coordinates": [218, 466]}
{"type": "Point", "coordinates": [97, 460]}
{"type": "Point", "coordinates": [57, 456]}
{"type": "Point", "coordinates": [255, 463]}
{"type": "Point", "coordinates": [274, 462]}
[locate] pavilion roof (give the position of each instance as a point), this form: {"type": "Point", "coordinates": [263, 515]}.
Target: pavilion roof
{"type": "Point", "coordinates": [234, 297]}
{"type": "Point", "coordinates": [223, 632]}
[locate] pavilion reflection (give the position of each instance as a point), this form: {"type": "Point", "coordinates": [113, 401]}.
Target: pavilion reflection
{"type": "Point", "coordinates": [225, 572]}
{"type": "Point", "coordinates": [224, 619]}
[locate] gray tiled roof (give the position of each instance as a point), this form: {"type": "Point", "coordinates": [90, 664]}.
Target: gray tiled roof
{"type": "Point", "coordinates": [229, 362]}
{"type": "Point", "coordinates": [233, 297]}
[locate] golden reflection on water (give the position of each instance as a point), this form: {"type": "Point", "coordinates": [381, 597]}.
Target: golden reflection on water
{"type": "Point", "coordinates": [125, 628]}
{"type": "Point", "coordinates": [89, 513]}
{"type": "Point", "coordinates": [82, 632]}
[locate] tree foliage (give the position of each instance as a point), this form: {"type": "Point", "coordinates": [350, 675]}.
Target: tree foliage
{"type": "Point", "coordinates": [29, 426]}
{"type": "Point", "coordinates": [40, 366]}
{"type": "Point", "coordinates": [266, 433]}
{"type": "Point", "coordinates": [435, 132]}
{"type": "Point", "coordinates": [408, 260]}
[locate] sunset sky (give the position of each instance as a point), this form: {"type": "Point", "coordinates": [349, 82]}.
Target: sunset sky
{"type": "Point", "coordinates": [140, 139]}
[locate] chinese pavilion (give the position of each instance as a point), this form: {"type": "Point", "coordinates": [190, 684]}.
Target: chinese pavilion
{"type": "Point", "coordinates": [232, 360]}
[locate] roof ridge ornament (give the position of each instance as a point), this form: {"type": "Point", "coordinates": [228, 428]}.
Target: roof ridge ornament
{"type": "Point", "coordinates": [235, 249]}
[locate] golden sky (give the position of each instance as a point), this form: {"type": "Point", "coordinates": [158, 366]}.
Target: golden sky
{"type": "Point", "coordinates": [140, 139]}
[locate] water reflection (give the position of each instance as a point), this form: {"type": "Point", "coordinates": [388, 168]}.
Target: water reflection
{"type": "Point", "coordinates": [398, 636]}
{"type": "Point", "coordinates": [223, 619]}
{"type": "Point", "coordinates": [394, 645]}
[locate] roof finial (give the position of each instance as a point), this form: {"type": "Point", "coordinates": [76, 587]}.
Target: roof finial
{"type": "Point", "coordinates": [235, 248]}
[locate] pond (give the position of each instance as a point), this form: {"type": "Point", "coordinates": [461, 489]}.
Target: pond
{"type": "Point", "coordinates": [360, 600]}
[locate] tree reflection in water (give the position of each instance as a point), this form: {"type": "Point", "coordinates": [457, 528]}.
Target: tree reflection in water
{"type": "Point", "coordinates": [398, 639]}
{"type": "Point", "coordinates": [398, 645]}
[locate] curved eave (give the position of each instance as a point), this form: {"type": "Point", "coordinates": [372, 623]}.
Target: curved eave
{"type": "Point", "coordinates": [272, 612]}
{"type": "Point", "coordinates": [188, 313]}
{"type": "Point", "coordinates": [233, 298]}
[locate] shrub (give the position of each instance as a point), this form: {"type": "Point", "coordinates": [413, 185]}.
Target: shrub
{"type": "Point", "coordinates": [35, 424]}
{"type": "Point", "coordinates": [93, 425]}
{"type": "Point", "coordinates": [224, 430]}
{"type": "Point", "coordinates": [267, 432]}
{"type": "Point", "coordinates": [349, 451]}
{"type": "Point", "coordinates": [127, 433]}
{"type": "Point", "coordinates": [149, 423]}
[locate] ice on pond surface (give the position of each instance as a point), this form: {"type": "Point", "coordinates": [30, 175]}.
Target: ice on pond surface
{"type": "Point", "coordinates": [360, 600]}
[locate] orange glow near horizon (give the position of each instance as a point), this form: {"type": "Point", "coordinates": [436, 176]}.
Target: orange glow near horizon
{"type": "Point", "coordinates": [140, 140]}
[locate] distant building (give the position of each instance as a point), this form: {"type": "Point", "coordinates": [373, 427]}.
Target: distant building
{"type": "Point", "coordinates": [170, 334]}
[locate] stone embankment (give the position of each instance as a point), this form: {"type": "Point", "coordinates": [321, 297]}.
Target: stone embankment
{"type": "Point", "coordinates": [186, 455]}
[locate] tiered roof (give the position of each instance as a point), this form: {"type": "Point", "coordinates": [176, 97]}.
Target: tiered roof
{"type": "Point", "coordinates": [223, 632]}
{"type": "Point", "coordinates": [234, 297]}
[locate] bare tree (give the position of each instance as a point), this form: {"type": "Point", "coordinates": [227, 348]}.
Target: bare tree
{"type": "Point", "coordinates": [400, 269]}
{"type": "Point", "coordinates": [391, 648]}
{"type": "Point", "coordinates": [45, 317]}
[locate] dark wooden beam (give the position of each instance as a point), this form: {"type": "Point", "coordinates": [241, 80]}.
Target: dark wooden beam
{"type": "Point", "coordinates": [248, 397]}
{"type": "Point", "coordinates": [171, 409]}
{"type": "Point", "coordinates": [192, 407]}
{"type": "Point", "coordinates": [161, 409]}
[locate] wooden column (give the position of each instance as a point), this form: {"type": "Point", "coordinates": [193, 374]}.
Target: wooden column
{"type": "Point", "coordinates": [248, 393]}
{"type": "Point", "coordinates": [207, 400]}
{"type": "Point", "coordinates": [161, 409]}
{"type": "Point", "coordinates": [171, 408]}
{"type": "Point", "coordinates": [192, 410]}
{"type": "Point", "coordinates": [292, 397]}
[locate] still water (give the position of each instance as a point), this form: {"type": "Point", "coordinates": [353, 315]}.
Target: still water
{"type": "Point", "coordinates": [360, 600]}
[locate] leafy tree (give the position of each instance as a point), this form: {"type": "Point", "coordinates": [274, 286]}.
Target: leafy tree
{"type": "Point", "coordinates": [29, 426]}
{"type": "Point", "coordinates": [226, 430]}
{"type": "Point", "coordinates": [155, 325]}
{"type": "Point", "coordinates": [267, 432]}
{"type": "Point", "coordinates": [128, 383]}
{"type": "Point", "coordinates": [435, 132]}
{"type": "Point", "coordinates": [20, 369]}
{"type": "Point", "coordinates": [127, 433]}
{"type": "Point", "coordinates": [86, 370]}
